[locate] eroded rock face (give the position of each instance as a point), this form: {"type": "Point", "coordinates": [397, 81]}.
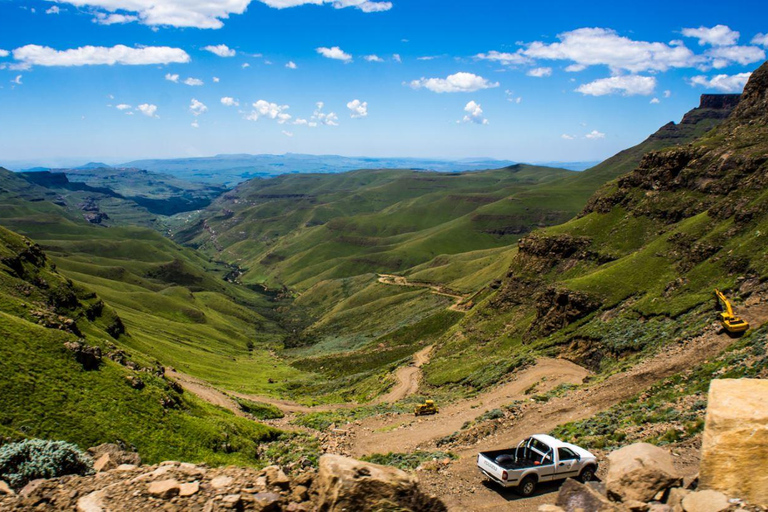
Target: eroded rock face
{"type": "Point", "coordinates": [639, 471]}
{"type": "Point", "coordinates": [345, 484]}
{"type": "Point", "coordinates": [734, 452]}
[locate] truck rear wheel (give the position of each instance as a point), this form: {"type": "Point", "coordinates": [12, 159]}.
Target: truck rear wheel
{"type": "Point", "coordinates": [587, 474]}
{"type": "Point", "coordinates": [527, 487]}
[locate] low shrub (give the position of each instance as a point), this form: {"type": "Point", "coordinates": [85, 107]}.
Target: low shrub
{"type": "Point", "coordinates": [31, 459]}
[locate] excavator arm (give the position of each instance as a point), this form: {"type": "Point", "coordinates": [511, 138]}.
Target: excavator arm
{"type": "Point", "coordinates": [730, 321]}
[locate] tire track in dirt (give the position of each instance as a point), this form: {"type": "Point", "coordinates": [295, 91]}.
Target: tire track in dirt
{"type": "Point", "coordinates": [408, 378]}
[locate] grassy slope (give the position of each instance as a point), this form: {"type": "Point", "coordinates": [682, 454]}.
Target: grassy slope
{"type": "Point", "coordinates": [174, 302]}
{"type": "Point", "coordinates": [297, 230]}
{"type": "Point", "coordinates": [649, 263]}
{"type": "Point", "coordinates": [45, 392]}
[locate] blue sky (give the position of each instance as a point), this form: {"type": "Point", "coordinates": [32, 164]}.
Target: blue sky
{"type": "Point", "coordinates": [541, 81]}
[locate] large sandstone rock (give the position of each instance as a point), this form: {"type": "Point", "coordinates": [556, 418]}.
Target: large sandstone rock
{"type": "Point", "coordinates": [734, 451]}
{"type": "Point", "coordinates": [345, 484]}
{"type": "Point", "coordinates": [108, 456]}
{"type": "Point", "coordinates": [639, 471]}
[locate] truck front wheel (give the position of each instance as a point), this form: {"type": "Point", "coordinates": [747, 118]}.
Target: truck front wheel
{"type": "Point", "coordinates": [527, 487]}
{"type": "Point", "coordinates": [587, 474]}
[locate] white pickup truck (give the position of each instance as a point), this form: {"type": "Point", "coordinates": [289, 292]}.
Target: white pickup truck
{"type": "Point", "coordinates": [539, 458]}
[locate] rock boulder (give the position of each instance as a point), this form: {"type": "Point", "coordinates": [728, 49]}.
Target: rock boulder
{"type": "Point", "coordinates": [734, 451]}
{"type": "Point", "coordinates": [640, 471]}
{"type": "Point", "coordinates": [344, 484]}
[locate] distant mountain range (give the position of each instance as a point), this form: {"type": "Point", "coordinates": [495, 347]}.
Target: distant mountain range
{"type": "Point", "coordinates": [232, 169]}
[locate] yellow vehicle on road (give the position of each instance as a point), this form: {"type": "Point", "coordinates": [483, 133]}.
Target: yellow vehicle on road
{"type": "Point", "coordinates": [427, 408]}
{"type": "Point", "coordinates": [732, 323]}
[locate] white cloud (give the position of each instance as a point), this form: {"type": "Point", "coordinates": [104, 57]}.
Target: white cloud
{"type": "Point", "coordinates": [474, 114]}
{"type": "Point", "coordinates": [195, 124]}
{"type": "Point", "coordinates": [245, 65]}
{"type": "Point", "coordinates": [229, 102]}
{"type": "Point", "coordinates": [396, 57]}
{"type": "Point", "coordinates": [458, 82]}
{"type": "Point", "coordinates": [363, 5]}
{"type": "Point", "coordinates": [628, 85]}
{"type": "Point", "coordinates": [667, 93]}
{"type": "Point", "coordinates": [103, 18]}
{"type": "Point", "coordinates": [373, 58]}
{"type": "Point", "coordinates": [505, 58]}
{"type": "Point", "coordinates": [760, 39]}
{"type": "Point", "coordinates": [123, 106]}
{"type": "Point", "coordinates": [17, 80]}
{"type": "Point", "coordinates": [263, 108]}
{"type": "Point", "coordinates": [510, 95]}
{"type": "Point", "coordinates": [194, 82]}
{"type": "Point", "coordinates": [54, 9]}
{"type": "Point", "coordinates": [287, 133]}
{"type": "Point", "coordinates": [724, 83]}
{"type": "Point", "coordinates": [216, 80]}
{"type": "Point", "coordinates": [723, 56]}
{"type": "Point", "coordinates": [291, 65]}
{"type": "Point", "coordinates": [334, 53]}
{"type": "Point", "coordinates": [428, 57]}
{"type": "Point", "coordinates": [594, 134]}
{"type": "Point", "coordinates": [36, 55]}
{"type": "Point", "coordinates": [148, 109]}
{"type": "Point", "coordinates": [575, 68]}
{"type": "Point", "coordinates": [4, 53]}
{"type": "Point", "coordinates": [221, 50]}
{"type": "Point", "coordinates": [600, 46]}
{"type": "Point", "coordinates": [320, 117]}
{"type": "Point", "coordinates": [539, 72]}
{"type": "Point", "coordinates": [567, 137]}
{"type": "Point", "coordinates": [655, 101]}
{"type": "Point", "coordinates": [719, 35]}
{"type": "Point", "coordinates": [197, 107]}
{"type": "Point", "coordinates": [172, 77]}
{"type": "Point", "coordinates": [358, 108]}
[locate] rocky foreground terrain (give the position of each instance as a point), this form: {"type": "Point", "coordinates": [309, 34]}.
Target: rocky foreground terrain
{"type": "Point", "coordinates": [640, 478]}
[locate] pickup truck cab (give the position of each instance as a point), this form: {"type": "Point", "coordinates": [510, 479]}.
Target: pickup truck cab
{"type": "Point", "coordinates": [539, 458]}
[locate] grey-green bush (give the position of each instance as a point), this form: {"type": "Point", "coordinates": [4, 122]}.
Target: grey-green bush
{"type": "Point", "coordinates": [28, 460]}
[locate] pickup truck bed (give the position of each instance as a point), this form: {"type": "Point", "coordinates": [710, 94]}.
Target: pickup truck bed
{"type": "Point", "coordinates": [505, 459]}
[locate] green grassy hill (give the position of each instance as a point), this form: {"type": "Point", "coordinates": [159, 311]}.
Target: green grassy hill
{"type": "Point", "coordinates": [176, 304]}
{"type": "Point", "coordinates": [637, 267]}
{"type": "Point", "coordinates": [53, 385]}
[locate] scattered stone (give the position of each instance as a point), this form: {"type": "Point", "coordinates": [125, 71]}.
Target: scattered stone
{"type": "Point", "coordinates": [221, 481]}
{"type": "Point", "coordinates": [93, 502]}
{"type": "Point", "coordinates": [189, 489]}
{"type": "Point", "coordinates": [300, 493]}
{"type": "Point", "coordinates": [675, 498]}
{"type": "Point", "coordinates": [231, 501]}
{"type": "Point", "coordinates": [706, 501]}
{"type": "Point", "coordinates": [639, 471]}
{"type": "Point", "coordinates": [135, 382]}
{"type": "Point", "coordinates": [575, 496]}
{"type": "Point", "coordinates": [117, 454]}
{"type": "Point", "coordinates": [348, 484]}
{"type": "Point", "coordinates": [266, 501]}
{"type": "Point", "coordinates": [104, 463]}
{"type": "Point", "coordinates": [5, 489]}
{"type": "Point", "coordinates": [733, 454]}
{"type": "Point", "coordinates": [86, 355]}
{"type": "Point", "coordinates": [276, 478]}
{"type": "Point", "coordinates": [164, 488]}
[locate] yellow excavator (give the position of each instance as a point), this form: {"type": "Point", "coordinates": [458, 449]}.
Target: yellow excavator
{"type": "Point", "coordinates": [732, 323]}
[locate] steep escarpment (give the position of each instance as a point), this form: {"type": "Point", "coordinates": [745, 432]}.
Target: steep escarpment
{"type": "Point", "coordinates": [636, 268]}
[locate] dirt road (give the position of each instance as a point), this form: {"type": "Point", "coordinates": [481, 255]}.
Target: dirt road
{"type": "Point", "coordinates": [394, 280]}
{"type": "Point", "coordinates": [403, 433]}
{"type": "Point", "coordinates": [407, 378]}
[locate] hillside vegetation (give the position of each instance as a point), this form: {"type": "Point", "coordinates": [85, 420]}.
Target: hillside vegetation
{"type": "Point", "coordinates": [636, 269]}
{"type": "Point", "coordinates": [64, 376]}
